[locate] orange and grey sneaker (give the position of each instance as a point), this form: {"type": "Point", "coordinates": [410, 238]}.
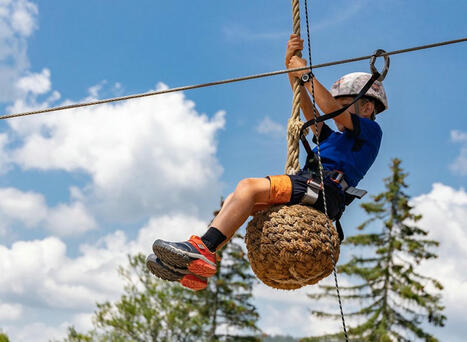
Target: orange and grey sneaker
{"type": "Point", "coordinates": [170, 273]}
{"type": "Point", "coordinates": [192, 255]}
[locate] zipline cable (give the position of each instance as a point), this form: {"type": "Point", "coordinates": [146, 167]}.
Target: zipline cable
{"type": "Point", "coordinates": [231, 80]}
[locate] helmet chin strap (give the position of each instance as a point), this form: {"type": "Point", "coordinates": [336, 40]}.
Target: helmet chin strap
{"type": "Point", "coordinates": [357, 108]}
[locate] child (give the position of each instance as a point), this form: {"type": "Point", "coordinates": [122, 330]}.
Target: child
{"type": "Point", "coordinates": [346, 157]}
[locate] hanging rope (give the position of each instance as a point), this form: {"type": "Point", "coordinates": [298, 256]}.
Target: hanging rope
{"type": "Point", "coordinates": [328, 221]}
{"type": "Point", "coordinates": [293, 127]}
{"type": "Point", "coordinates": [231, 80]}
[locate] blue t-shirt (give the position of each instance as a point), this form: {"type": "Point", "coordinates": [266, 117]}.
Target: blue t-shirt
{"type": "Point", "coordinates": [352, 152]}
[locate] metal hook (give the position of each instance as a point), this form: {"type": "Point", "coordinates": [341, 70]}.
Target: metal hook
{"type": "Point", "coordinates": [375, 55]}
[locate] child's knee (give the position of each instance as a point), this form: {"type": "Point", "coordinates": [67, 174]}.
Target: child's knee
{"type": "Point", "coordinates": [246, 185]}
{"type": "Point", "coordinates": [252, 187]}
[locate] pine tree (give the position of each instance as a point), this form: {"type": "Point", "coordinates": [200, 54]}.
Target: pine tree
{"type": "Point", "coordinates": [229, 296]}
{"type": "Point", "coordinates": [397, 299]}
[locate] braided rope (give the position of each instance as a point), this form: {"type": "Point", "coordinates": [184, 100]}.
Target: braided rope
{"type": "Point", "coordinates": [293, 149]}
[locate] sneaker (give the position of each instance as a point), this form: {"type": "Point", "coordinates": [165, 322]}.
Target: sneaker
{"type": "Point", "coordinates": [183, 276]}
{"type": "Point", "coordinates": [192, 255]}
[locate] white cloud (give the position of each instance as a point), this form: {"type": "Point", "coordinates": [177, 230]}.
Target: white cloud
{"type": "Point", "coordinates": [36, 332]}
{"type": "Point", "coordinates": [18, 20]}
{"type": "Point", "coordinates": [9, 312]}
{"type": "Point", "coordinates": [268, 126]}
{"type": "Point", "coordinates": [144, 156]}
{"type": "Point", "coordinates": [172, 228]}
{"type": "Point", "coordinates": [40, 276]}
{"type": "Point", "coordinates": [69, 219]}
{"type": "Point", "coordinates": [94, 90]}
{"type": "Point", "coordinates": [444, 211]}
{"type": "Point", "coordinates": [29, 209]}
{"type": "Point", "coordinates": [36, 83]}
{"type": "Point", "coordinates": [83, 321]}
{"type": "Point", "coordinates": [299, 321]}
{"type": "Point", "coordinates": [23, 17]}
{"type": "Point", "coordinates": [458, 136]}
{"type": "Point", "coordinates": [459, 166]}
{"type": "Point", "coordinates": [40, 272]}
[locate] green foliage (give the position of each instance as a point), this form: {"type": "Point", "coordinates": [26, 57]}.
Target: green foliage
{"type": "Point", "coordinates": [151, 309]}
{"type": "Point", "coordinates": [74, 336]}
{"type": "Point", "coordinates": [229, 296]}
{"type": "Point", "coordinates": [396, 298]}
{"type": "Point", "coordinates": [4, 337]}
{"type": "Point", "coordinates": [279, 338]}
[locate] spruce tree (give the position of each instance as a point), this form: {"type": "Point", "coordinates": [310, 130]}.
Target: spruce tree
{"type": "Point", "coordinates": [397, 299]}
{"type": "Point", "coordinates": [228, 297]}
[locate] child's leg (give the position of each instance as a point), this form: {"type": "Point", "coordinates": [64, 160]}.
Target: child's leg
{"type": "Point", "coordinates": [198, 253]}
{"type": "Point", "coordinates": [240, 204]}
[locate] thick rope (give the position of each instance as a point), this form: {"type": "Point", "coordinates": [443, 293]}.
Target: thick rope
{"type": "Point", "coordinates": [231, 80]}
{"type": "Point", "coordinates": [292, 165]}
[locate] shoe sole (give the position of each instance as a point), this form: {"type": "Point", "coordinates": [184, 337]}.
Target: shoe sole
{"type": "Point", "coordinates": [188, 280]}
{"type": "Point", "coordinates": [196, 263]}
{"type": "Point", "coordinates": [161, 272]}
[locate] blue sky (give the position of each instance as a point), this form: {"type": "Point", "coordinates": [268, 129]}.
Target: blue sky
{"type": "Point", "coordinates": [80, 189]}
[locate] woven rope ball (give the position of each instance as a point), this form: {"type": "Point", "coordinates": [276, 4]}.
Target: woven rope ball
{"type": "Point", "coordinates": [288, 246]}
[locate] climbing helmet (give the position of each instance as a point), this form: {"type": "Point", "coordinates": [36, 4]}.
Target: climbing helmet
{"type": "Point", "coordinates": [351, 84]}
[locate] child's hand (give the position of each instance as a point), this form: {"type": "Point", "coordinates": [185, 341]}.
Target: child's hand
{"type": "Point", "coordinates": [297, 62]}
{"type": "Point", "coordinates": [294, 44]}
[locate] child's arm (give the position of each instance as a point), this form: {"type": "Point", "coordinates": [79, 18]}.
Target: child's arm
{"type": "Point", "coordinates": [323, 97]}
{"type": "Point", "coordinates": [296, 44]}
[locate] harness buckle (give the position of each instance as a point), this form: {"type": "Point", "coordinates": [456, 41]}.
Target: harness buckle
{"type": "Point", "coordinates": [337, 177]}
{"type": "Point", "coordinates": [359, 193]}
{"type": "Point", "coordinates": [312, 192]}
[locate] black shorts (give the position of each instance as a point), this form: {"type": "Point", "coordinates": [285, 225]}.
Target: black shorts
{"type": "Point", "coordinates": [290, 189]}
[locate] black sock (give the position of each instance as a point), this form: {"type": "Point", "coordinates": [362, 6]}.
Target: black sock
{"type": "Point", "coordinates": [213, 238]}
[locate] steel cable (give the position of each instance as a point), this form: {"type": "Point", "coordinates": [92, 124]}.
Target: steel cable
{"type": "Point", "coordinates": [231, 80]}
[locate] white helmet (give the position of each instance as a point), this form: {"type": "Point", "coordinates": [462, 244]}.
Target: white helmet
{"type": "Point", "coordinates": [351, 84]}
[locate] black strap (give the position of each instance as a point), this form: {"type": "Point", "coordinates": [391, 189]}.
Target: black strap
{"type": "Point", "coordinates": [340, 231]}
{"type": "Point", "coordinates": [325, 117]}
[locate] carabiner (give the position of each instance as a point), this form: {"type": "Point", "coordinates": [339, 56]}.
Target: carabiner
{"type": "Point", "coordinates": [376, 54]}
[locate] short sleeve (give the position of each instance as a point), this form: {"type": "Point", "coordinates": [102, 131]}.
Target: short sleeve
{"type": "Point", "coordinates": [365, 129]}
